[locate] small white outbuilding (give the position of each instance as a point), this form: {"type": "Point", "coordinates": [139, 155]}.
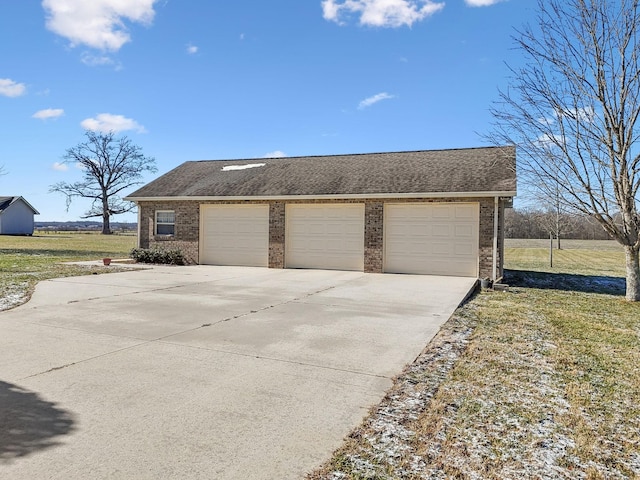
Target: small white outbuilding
{"type": "Point", "coordinates": [16, 216]}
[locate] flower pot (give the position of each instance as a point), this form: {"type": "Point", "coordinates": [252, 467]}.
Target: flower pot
{"type": "Point", "coordinates": [486, 283]}
{"type": "Point", "coordinates": [106, 261]}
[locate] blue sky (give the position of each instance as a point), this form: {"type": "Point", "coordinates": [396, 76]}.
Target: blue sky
{"type": "Point", "coordinates": [202, 79]}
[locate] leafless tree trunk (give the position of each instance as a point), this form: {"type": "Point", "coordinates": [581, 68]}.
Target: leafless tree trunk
{"type": "Point", "coordinates": [106, 213]}
{"type": "Point", "coordinates": [572, 109]}
{"type": "Point", "coordinates": [554, 219]}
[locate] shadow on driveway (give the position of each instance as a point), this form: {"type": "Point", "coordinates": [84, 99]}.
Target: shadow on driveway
{"type": "Point", "coordinates": [29, 423]}
{"type": "Point", "coordinates": [565, 281]}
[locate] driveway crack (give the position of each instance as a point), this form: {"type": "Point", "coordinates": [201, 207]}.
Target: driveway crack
{"type": "Point", "coordinates": [279, 360]}
{"type": "Point", "coordinates": [263, 309]}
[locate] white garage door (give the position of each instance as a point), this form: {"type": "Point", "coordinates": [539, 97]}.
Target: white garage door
{"type": "Point", "coordinates": [325, 236]}
{"type": "Point", "coordinates": [432, 238]}
{"type": "Point", "coordinates": [234, 235]}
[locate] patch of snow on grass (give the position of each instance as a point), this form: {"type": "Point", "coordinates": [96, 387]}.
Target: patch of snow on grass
{"type": "Point", "coordinates": [390, 440]}
{"type": "Point", "coordinates": [13, 295]}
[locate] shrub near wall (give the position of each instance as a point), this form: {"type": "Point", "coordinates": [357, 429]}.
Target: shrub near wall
{"type": "Point", "coordinates": [156, 255]}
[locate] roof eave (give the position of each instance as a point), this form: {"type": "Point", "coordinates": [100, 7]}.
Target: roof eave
{"type": "Point", "coordinates": [18, 198]}
{"type": "Point", "coordinates": [508, 193]}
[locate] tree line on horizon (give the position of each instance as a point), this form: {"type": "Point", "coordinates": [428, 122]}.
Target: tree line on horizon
{"type": "Point", "coordinates": [532, 223]}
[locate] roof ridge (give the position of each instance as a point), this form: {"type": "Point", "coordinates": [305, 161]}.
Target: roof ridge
{"type": "Point", "coordinates": [400, 152]}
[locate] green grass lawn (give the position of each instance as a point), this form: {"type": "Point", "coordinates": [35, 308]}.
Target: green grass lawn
{"type": "Point", "coordinates": [24, 261]}
{"type": "Point", "coordinates": [541, 381]}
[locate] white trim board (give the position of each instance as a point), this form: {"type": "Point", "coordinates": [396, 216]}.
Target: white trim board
{"type": "Point", "coordinates": [359, 196]}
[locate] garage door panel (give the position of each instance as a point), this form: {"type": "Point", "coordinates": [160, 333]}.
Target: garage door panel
{"type": "Point", "coordinates": [325, 236]}
{"type": "Point", "coordinates": [466, 231]}
{"type": "Point", "coordinates": [442, 230]}
{"type": "Point", "coordinates": [436, 239]}
{"type": "Point", "coordinates": [235, 235]}
{"type": "Point", "coordinates": [337, 229]}
{"type": "Point", "coordinates": [468, 212]}
{"type": "Point", "coordinates": [356, 229]}
{"type": "Point", "coordinates": [441, 213]}
{"type": "Point", "coordinates": [464, 249]}
{"type": "Point", "coordinates": [354, 245]}
{"type": "Point", "coordinates": [335, 246]}
{"type": "Point", "coordinates": [316, 229]}
{"type": "Point", "coordinates": [440, 248]}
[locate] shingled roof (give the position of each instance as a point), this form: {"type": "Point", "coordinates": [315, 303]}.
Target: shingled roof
{"type": "Point", "coordinates": [488, 170]}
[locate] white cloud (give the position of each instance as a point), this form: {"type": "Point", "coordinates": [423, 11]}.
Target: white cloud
{"type": "Point", "coordinates": [367, 102]}
{"type": "Point", "coordinates": [48, 113]}
{"type": "Point", "coordinates": [61, 167]}
{"type": "Point", "coordinates": [481, 3]}
{"type": "Point", "coordinates": [547, 140]}
{"type": "Point", "coordinates": [96, 23]}
{"type": "Point", "coordinates": [275, 154]}
{"type": "Point", "coordinates": [106, 122]}
{"type": "Point", "coordinates": [381, 13]}
{"type": "Point", "coordinates": [548, 121]}
{"type": "Point", "coordinates": [582, 114]}
{"type": "Point", "coordinates": [98, 60]}
{"type": "Point", "coordinates": [579, 114]}
{"type": "Point", "coordinates": [192, 49]}
{"type": "Point", "coordinates": [9, 88]}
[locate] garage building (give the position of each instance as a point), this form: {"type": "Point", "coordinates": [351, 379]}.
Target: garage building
{"type": "Point", "coordinates": [438, 212]}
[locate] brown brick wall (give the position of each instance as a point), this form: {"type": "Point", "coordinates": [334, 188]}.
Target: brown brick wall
{"type": "Point", "coordinates": [188, 228]}
{"type": "Point", "coordinates": [485, 249]}
{"type": "Point", "coordinates": [276, 234]}
{"type": "Point", "coordinates": [373, 236]}
{"type": "Point", "coordinates": [189, 249]}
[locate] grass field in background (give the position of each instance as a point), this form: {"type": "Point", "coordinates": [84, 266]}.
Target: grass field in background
{"type": "Point", "coordinates": [24, 260]}
{"type": "Point", "coordinates": [578, 257]}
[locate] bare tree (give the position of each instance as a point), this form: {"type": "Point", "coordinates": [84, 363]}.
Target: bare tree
{"type": "Point", "coordinates": [572, 110]}
{"type": "Point", "coordinates": [111, 165]}
{"type": "Point", "coordinates": [554, 218]}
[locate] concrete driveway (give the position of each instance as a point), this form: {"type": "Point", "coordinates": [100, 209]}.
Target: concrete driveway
{"type": "Point", "coordinates": [204, 372]}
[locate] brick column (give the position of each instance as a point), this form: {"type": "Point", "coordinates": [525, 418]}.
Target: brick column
{"type": "Point", "coordinates": [276, 234]}
{"type": "Point", "coordinates": [373, 236]}
{"type": "Point", "coordinates": [486, 238]}
{"type": "Point", "coordinates": [143, 227]}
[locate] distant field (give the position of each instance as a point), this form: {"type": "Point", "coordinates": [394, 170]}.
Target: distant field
{"type": "Point", "coordinates": [69, 245]}
{"type": "Point", "coordinates": [24, 261]}
{"type": "Point", "coordinates": [565, 244]}
{"type": "Point", "coordinates": [578, 257]}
